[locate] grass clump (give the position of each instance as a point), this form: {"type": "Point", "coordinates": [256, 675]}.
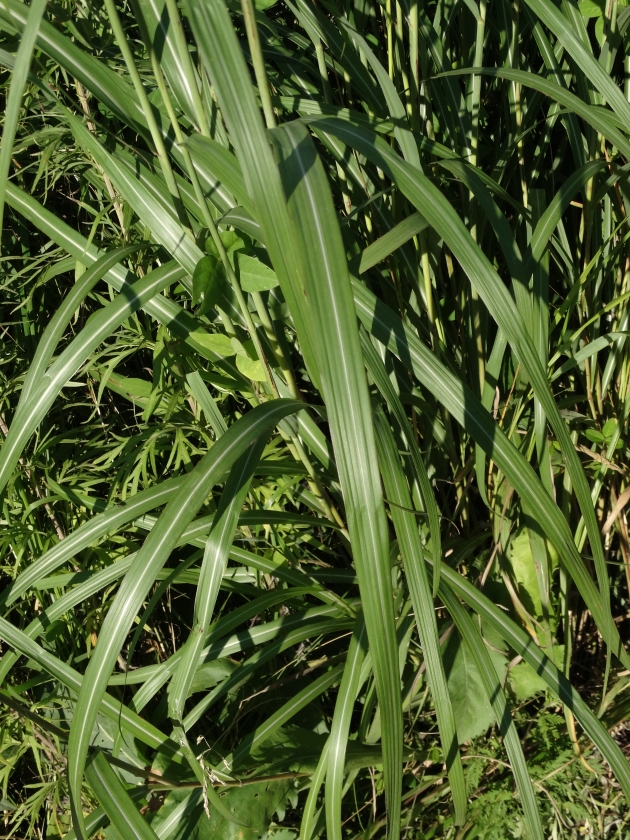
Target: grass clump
{"type": "Point", "coordinates": [314, 408]}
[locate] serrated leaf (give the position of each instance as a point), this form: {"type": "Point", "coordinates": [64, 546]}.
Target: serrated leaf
{"type": "Point", "coordinates": [258, 801]}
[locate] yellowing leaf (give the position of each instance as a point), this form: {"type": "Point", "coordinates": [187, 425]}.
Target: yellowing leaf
{"type": "Point", "coordinates": [251, 368]}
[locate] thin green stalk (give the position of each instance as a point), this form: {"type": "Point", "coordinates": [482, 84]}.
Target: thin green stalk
{"type": "Point", "coordinates": [203, 204]}
{"type": "Point", "coordinates": [414, 80]}
{"type": "Point", "coordinates": [260, 71]}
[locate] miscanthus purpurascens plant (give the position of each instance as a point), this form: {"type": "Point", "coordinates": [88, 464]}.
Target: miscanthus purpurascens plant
{"type": "Point", "coordinates": [315, 410]}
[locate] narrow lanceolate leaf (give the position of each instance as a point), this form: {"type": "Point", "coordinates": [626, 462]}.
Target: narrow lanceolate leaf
{"type": "Point", "coordinates": [551, 16]}
{"type": "Point", "coordinates": [115, 801]}
{"type": "Point", "coordinates": [377, 371]}
{"type": "Point", "coordinates": [282, 641]}
{"type": "Point", "coordinates": [465, 407]}
{"type": "Point", "coordinates": [215, 558]}
{"type": "Point", "coordinates": [221, 54]}
{"type": "Point", "coordinates": [138, 728]}
{"type": "Point", "coordinates": [410, 546]}
{"type": "Point", "coordinates": [215, 161]}
{"type": "Point", "coordinates": [346, 396]}
{"type": "Point", "coordinates": [111, 88]}
{"type": "Point", "coordinates": [284, 714]}
{"type": "Point", "coordinates": [76, 595]}
{"type": "Point", "coordinates": [389, 242]}
{"type": "Point", "coordinates": [468, 162]}
{"type": "Point", "coordinates": [62, 317]}
{"type": "Point", "coordinates": [495, 692]}
{"type": "Point", "coordinates": [160, 219]}
{"type": "Point", "coordinates": [16, 90]}
{"type": "Point", "coordinates": [89, 533]}
{"type": "Point", "coordinates": [429, 200]}
{"type": "Point", "coordinates": [142, 574]}
{"type": "Point", "coordinates": [99, 819]}
{"type": "Point", "coordinates": [340, 728]}
{"type": "Point", "coordinates": [167, 38]}
{"type": "Point", "coordinates": [309, 814]}
{"type": "Point", "coordinates": [98, 328]}
{"type": "Point", "coordinates": [601, 119]}
{"type": "Point", "coordinates": [180, 322]}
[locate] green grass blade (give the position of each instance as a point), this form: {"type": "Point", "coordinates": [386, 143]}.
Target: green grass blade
{"type": "Point", "coordinates": [495, 692]}
{"type": "Point", "coordinates": [377, 371]}
{"type": "Point", "coordinates": [555, 210]}
{"type": "Point", "coordinates": [89, 533]}
{"type": "Point", "coordinates": [282, 640]}
{"type": "Point", "coordinates": [152, 678]}
{"type": "Point", "coordinates": [340, 728]}
{"type": "Point", "coordinates": [599, 118]}
{"type": "Point", "coordinates": [348, 59]}
{"type": "Point", "coordinates": [138, 728]}
{"type": "Point", "coordinates": [215, 558]}
{"type": "Point", "coordinates": [101, 80]}
{"type": "Point", "coordinates": [214, 161]}
{"type": "Point", "coordinates": [209, 407]}
{"type": "Point", "coordinates": [347, 402]}
{"type": "Point", "coordinates": [429, 200]}
{"type": "Point", "coordinates": [389, 242]}
{"type": "Point", "coordinates": [415, 571]}
{"type": "Point", "coordinates": [395, 107]}
{"type": "Point", "coordinates": [174, 60]}
{"type": "Point", "coordinates": [60, 320]}
{"type": "Point", "coordinates": [179, 321]}
{"type": "Point", "coordinates": [284, 714]}
{"type": "Point", "coordinates": [221, 53]}
{"type": "Point", "coordinates": [310, 814]}
{"type": "Point", "coordinates": [561, 28]}
{"type": "Point", "coordinates": [64, 604]}
{"type": "Point", "coordinates": [16, 90]}
{"type": "Point", "coordinates": [524, 645]}
{"type": "Point", "coordinates": [161, 220]}
{"type": "Point", "coordinates": [115, 800]}
{"type": "Point", "coordinates": [99, 819]}
{"type": "Point", "coordinates": [148, 562]}
{"type": "Point", "coordinates": [100, 327]}
{"type": "Point", "coordinates": [465, 407]}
